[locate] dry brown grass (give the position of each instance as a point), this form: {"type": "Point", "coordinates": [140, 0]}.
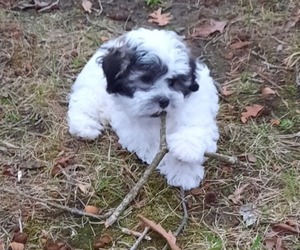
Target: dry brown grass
{"type": "Point", "coordinates": [40, 58]}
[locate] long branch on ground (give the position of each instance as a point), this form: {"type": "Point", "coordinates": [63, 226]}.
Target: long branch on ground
{"type": "Point", "coordinates": [134, 191]}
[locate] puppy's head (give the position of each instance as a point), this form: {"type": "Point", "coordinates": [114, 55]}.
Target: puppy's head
{"type": "Point", "coordinates": [149, 71]}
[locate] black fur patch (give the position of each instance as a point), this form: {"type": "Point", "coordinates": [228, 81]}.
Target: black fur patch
{"type": "Point", "coordinates": [119, 63]}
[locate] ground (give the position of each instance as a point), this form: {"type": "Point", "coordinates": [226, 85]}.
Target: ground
{"type": "Point", "coordinates": [41, 54]}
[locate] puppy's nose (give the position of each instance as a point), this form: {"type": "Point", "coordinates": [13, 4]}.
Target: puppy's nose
{"type": "Point", "coordinates": [163, 102]}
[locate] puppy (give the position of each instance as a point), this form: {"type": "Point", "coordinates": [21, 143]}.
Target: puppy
{"type": "Point", "coordinates": [129, 81]}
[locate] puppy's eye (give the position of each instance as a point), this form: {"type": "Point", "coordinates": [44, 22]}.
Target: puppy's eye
{"type": "Point", "coordinates": [172, 81]}
{"type": "Point", "coordinates": [146, 78]}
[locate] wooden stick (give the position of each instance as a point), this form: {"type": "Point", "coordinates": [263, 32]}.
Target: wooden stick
{"type": "Point", "coordinates": [139, 240]}
{"type": "Point", "coordinates": [184, 218]}
{"type": "Point", "coordinates": [52, 204]}
{"type": "Point", "coordinates": [134, 191]}
{"type": "Point", "coordinates": [225, 158]}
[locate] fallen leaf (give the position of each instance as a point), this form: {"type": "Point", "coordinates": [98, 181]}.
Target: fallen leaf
{"type": "Point", "coordinates": [16, 246]}
{"type": "Point", "coordinates": [102, 241]}
{"type": "Point", "coordinates": [274, 243]}
{"type": "Point", "coordinates": [237, 194]}
{"type": "Point", "coordinates": [251, 158]}
{"type": "Point", "coordinates": [87, 6]}
{"type": "Point", "coordinates": [62, 163]}
{"type": "Point", "coordinates": [159, 18]}
{"type": "Point", "coordinates": [50, 245]}
{"type": "Point", "coordinates": [289, 226]}
{"type": "Point", "coordinates": [196, 191]}
{"type": "Point", "coordinates": [209, 27]}
{"type": "Point", "coordinates": [20, 237]}
{"type": "Point", "coordinates": [66, 161]}
{"type": "Point", "coordinates": [275, 122]}
{"type": "Point", "coordinates": [91, 209]}
{"type": "Point", "coordinates": [252, 111]}
{"type": "Point", "coordinates": [229, 55]}
{"type": "Point", "coordinates": [226, 92]}
{"type": "Point", "coordinates": [239, 45]}
{"type": "Point", "coordinates": [106, 238]}
{"type": "Point", "coordinates": [170, 238]}
{"type": "Point", "coordinates": [104, 39]}
{"type": "Point", "coordinates": [267, 91]}
{"type": "Point", "coordinates": [84, 188]}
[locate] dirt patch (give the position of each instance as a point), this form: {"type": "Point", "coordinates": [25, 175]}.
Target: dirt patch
{"type": "Point", "coordinates": [41, 55]}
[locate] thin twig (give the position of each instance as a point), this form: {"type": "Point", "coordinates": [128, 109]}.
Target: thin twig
{"type": "Point", "coordinates": [297, 71]}
{"type": "Point", "coordinates": [134, 191]}
{"type": "Point", "coordinates": [227, 159]}
{"type": "Point", "coordinates": [49, 6]}
{"type": "Point", "coordinates": [134, 233]}
{"type": "Point", "coordinates": [184, 218]}
{"type": "Point", "coordinates": [269, 65]}
{"type": "Point", "coordinates": [101, 8]}
{"type": "Point", "coordinates": [139, 240]}
{"type": "Point", "coordinates": [52, 204]}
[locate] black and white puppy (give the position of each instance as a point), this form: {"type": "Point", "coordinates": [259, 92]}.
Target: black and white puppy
{"type": "Point", "coordinates": [129, 81]}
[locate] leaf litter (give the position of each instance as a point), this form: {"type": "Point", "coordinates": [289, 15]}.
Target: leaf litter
{"type": "Point", "coordinates": [169, 236]}
{"type": "Point", "coordinates": [87, 6]}
{"type": "Point", "coordinates": [209, 27]}
{"type": "Point", "coordinates": [161, 19]}
{"type": "Point", "coordinates": [251, 111]}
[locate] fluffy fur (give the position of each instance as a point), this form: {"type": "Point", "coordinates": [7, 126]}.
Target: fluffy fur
{"type": "Point", "coordinates": [129, 81]}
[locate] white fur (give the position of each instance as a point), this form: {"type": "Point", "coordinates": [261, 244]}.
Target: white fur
{"type": "Point", "coordinates": [191, 125]}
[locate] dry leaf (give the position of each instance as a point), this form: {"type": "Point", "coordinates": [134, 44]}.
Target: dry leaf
{"type": "Point", "coordinates": [20, 237]}
{"type": "Point", "coordinates": [274, 243]}
{"type": "Point", "coordinates": [252, 111]}
{"type": "Point", "coordinates": [267, 91]}
{"type": "Point", "coordinates": [251, 158]}
{"type": "Point", "coordinates": [208, 28]}
{"type": "Point", "coordinates": [170, 238]}
{"type": "Point", "coordinates": [91, 209]}
{"type": "Point", "coordinates": [16, 246]}
{"type": "Point", "coordinates": [102, 241]}
{"type": "Point", "coordinates": [275, 122]}
{"type": "Point", "coordinates": [226, 92]}
{"type": "Point", "coordinates": [159, 18]}
{"type": "Point", "coordinates": [289, 226]}
{"type": "Point", "coordinates": [84, 188]}
{"type": "Point", "coordinates": [106, 238]}
{"type": "Point", "coordinates": [196, 191]}
{"type": "Point", "coordinates": [66, 161]}
{"type": "Point", "coordinates": [50, 245]}
{"type": "Point", "coordinates": [237, 194]}
{"type": "Point", "coordinates": [239, 45]}
{"type": "Point", "coordinates": [104, 39]}
{"type": "Point", "coordinates": [87, 5]}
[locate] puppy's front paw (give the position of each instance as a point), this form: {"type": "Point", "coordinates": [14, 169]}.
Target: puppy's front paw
{"type": "Point", "coordinates": [181, 174]}
{"type": "Point", "coordinates": [186, 149]}
{"type": "Point", "coordinates": [84, 127]}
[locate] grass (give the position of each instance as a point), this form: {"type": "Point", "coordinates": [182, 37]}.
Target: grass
{"type": "Point", "coordinates": [41, 57]}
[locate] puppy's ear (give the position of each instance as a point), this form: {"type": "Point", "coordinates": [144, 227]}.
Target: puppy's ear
{"type": "Point", "coordinates": [194, 85]}
{"type": "Point", "coordinates": [115, 65]}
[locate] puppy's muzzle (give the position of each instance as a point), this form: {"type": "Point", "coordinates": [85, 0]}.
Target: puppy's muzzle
{"type": "Point", "coordinates": [163, 102]}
